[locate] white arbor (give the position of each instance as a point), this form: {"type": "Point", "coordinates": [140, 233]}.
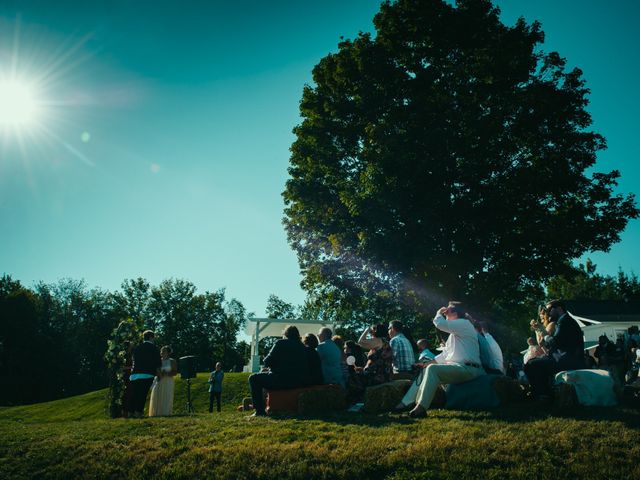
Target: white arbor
{"type": "Point", "coordinates": [258, 328]}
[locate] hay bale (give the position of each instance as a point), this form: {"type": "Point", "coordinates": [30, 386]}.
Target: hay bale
{"type": "Point", "coordinates": [328, 398]}
{"type": "Point", "coordinates": [508, 390]}
{"type": "Point", "coordinates": [382, 398]}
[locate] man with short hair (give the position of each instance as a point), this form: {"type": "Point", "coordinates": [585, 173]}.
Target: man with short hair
{"type": "Point", "coordinates": [289, 368]}
{"type": "Point", "coordinates": [146, 365]}
{"type": "Point", "coordinates": [458, 362]}
{"type": "Point", "coordinates": [566, 347]}
{"type": "Point", "coordinates": [330, 358]}
{"type": "Point", "coordinates": [403, 354]}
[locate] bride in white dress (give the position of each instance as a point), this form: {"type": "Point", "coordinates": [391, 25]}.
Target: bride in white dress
{"type": "Point", "coordinates": [161, 403]}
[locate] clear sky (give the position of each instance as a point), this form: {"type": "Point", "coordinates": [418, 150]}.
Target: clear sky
{"type": "Point", "coordinates": [162, 146]}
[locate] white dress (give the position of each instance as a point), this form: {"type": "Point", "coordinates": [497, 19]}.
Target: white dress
{"type": "Point", "coordinates": [161, 403]}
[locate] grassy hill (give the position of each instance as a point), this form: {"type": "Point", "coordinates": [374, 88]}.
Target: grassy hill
{"type": "Point", "coordinates": [72, 438]}
{"type": "Point", "coordinates": [93, 405]}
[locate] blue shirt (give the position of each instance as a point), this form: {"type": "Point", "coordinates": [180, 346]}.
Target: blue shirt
{"type": "Point", "coordinates": [426, 354]}
{"type": "Point", "coordinates": [215, 381]}
{"type": "Point", "coordinates": [330, 360]}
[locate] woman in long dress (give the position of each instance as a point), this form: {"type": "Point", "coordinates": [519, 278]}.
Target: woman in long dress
{"type": "Point", "coordinates": [161, 403]}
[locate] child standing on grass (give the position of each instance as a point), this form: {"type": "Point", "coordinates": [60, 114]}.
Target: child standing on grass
{"type": "Point", "coordinates": [215, 386]}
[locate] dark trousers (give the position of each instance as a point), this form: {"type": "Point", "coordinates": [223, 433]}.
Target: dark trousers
{"type": "Point", "coordinates": [541, 370]}
{"type": "Point", "coordinates": [215, 395]}
{"type": "Point", "coordinates": [139, 391]}
{"type": "Point", "coordinates": [269, 381]}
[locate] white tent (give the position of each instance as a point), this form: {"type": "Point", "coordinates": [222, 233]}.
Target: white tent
{"type": "Point", "coordinates": [258, 328]}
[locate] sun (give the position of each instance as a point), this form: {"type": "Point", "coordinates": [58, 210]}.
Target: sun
{"type": "Point", "coordinates": [18, 104]}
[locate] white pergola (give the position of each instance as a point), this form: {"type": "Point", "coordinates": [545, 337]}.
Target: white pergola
{"type": "Point", "coordinates": [258, 328]}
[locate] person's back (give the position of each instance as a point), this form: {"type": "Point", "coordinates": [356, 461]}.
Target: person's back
{"type": "Point", "coordinates": [330, 359]}
{"type": "Point", "coordinates": [497, 360]}
{"type": "Point", "coordinates": [485, 352]}
{"type": "Point", "coordinates": [310, 342]}
{"type": "Point", "coordinates": [290, 361]}
{"type": "Point", "coordinates": [605, 352]}
{"type": "Point", "coordinates": [568, 336]}
{"type": "Point", "coordinates": [146, 359]}
{"type": "Point", "coordinates": [315, 367]}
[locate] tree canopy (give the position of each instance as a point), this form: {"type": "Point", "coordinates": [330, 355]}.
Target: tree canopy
{"type": "Point", "coordinates": [584, 283]}
{"type": "Point", "coordinates": [446, 156]}
{"type": "Point", "coordinates": [69, 325]}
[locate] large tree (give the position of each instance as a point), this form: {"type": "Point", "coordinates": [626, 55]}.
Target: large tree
{"type": "Point", "coordinates": [446, 156]}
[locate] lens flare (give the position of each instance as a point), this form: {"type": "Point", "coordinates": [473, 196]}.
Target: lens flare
{"type": "Point", "coordinates": [18, 104]}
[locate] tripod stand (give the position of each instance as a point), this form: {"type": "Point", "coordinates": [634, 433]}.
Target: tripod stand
{"type": "Point", "coordinates": [189, 406]}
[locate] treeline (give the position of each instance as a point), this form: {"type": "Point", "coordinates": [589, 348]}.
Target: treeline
{"type": "Point", "coordinates": [53, 337]}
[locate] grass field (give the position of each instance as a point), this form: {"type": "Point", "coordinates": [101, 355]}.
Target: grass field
{"type": "Point", "coordinates": [72, 438]}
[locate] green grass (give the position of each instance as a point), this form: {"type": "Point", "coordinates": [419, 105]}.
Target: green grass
{"type": "Point", "coordinates": [72, 438]}
{"type": "Point", "coordinates": [93, 405]}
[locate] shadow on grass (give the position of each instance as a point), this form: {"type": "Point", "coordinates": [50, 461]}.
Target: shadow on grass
{"type": "Point", "coordinates": [526, 412]}
{"type": "Point", "coordinates": [532, 411]}
{"type": "Point", "coordinates": [345, 418]}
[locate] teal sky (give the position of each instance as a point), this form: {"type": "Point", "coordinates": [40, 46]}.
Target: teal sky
{"type": "Point", "coordinates": [163, 146]}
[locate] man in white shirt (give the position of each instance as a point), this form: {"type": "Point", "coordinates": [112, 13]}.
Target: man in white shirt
{"type": "Point", "coordinates": [459, 361]}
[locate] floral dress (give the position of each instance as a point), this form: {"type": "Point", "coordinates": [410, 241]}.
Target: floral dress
{"type": "Point", "coordinates": [379, 365]}
{"type": "Point", "coordinates": [378, 370]}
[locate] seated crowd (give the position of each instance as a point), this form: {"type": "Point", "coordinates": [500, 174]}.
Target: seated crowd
{"type": "Point", "coordinates": [558, 346]}
{"type": "Point", "coordinates": [386, 353]}
{"type": "Point", "coordinates": [469, 351]}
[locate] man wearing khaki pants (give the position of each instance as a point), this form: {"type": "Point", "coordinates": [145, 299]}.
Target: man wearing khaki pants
{"type": "Point", "coordinates": [459, 361]}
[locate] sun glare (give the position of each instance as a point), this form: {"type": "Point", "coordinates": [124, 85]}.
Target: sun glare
{"type": "Point", "coordinates": [18, 105]}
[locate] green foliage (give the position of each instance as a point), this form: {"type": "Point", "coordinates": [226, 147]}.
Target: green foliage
{"type": "Point", "coordinates": [413, 172]}
{"type": "Point", "coordinates": [53, 337]}
{"type": "Point", "coordinates": [276, 308]}
{"type": "Point", "coordinates": [119, 347]}
{"type": "Point", "coordinates": [517, 443]}
{"type": "Point", "coordinates": [583, 283]}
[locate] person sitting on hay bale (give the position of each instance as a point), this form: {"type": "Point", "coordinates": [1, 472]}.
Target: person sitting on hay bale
{"type": "Point", "coordinates": [459, 361]}
{"type": "Point", "coordinates": [565, 347]}
{"type": "Point", "coordinates": [286, 367]}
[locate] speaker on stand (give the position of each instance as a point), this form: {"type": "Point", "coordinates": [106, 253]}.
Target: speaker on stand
{"type": "Point", "coordinates": [187, 369]}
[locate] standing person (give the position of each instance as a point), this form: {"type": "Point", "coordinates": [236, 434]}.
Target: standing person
{"type": "Point", "coordinates": [565, 346]}
{"type": "Point", "coordinates": [161, 403]}
{"type": "Point", "coordinates": [403, 354]}
{"type": "Point", "coordinates": [215, 387]}
{"type": "Point", "coordinates": [458, 362]}
{"type": "Point", "coordinates": [286, 366]}
{"type": "Point", "coordinates": [146, 365]}
{"type": "Point", "coordinates": [330, 358]}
